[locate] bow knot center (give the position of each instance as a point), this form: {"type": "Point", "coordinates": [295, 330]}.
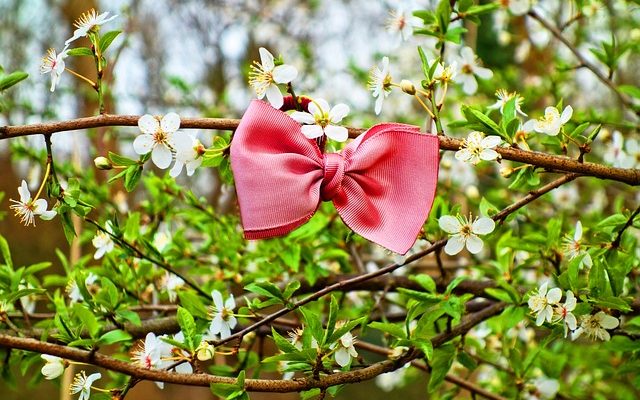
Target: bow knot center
{"type": "Point", "coordinates": [333, 174]}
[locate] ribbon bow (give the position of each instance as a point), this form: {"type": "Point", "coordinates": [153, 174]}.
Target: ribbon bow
{"type": "Point", "coordinates": [382, 184]}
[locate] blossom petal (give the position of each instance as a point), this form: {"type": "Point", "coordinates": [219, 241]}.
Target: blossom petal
{"type": "Point", "coordinates": [607, 321]}
{"type": "Point", "coordinates": [161, 156]}
{"type": "Point", "coordinates": [48, 215]}
{"type": "Point", "coordinates": [491, 141]}
{"type": "Point", "coordinates": [39, 206]}
{"type": "Point", "coordinates": [284, 73]}
{"type": "Point", "coordinates": [455, 244]}
{"type": "Point", "coordinates": [463, 155]}
{"type": "Point", "coordinates": [148, 124]}
{"type": "Point", "coordinates": [489, 154]}
{"type": "Point", "coordinates": [23, 190]}
{"type": "Point", "coordinates": [92, 378]}
{"type": "Point", "coordinates": [474, 244]}
{"type": "Point", "coordinates": [483, 73]}
{"type": "Point", "coordinates": [275, 96]}
{"type": "Point", "coordinates": [529, 126]}
{"type": "Point", "coordinates": [170, 122]}
{"type": "Point", "coordinates": [323, 104]}
{"type": "Point", "coordinates": [230, 303]}
{"type": "Point", "coordinates": [554, 295]}
{"type": "Point", "coordinates": [483, 226]}
{"type": "Point", "coordinates": [176, 169]}
{"type": "Point", "coordinates": [469, 84]}
{"type": "Point", "coordinates": [578, 233]}
{"type": "Point", "coordinates": [379, 101]}
{"type": "Point", "coordinates": [143, 144]}
{"type": "Point", "coordinates": [449, 224]}
{"type": "Point", "coordinates": [468, 55]}
{"type": "Point", "coordinates": [338, 112]}
{"type": "Point", "coordinates": [312, 131]}
{"type": "Point", "coordinates": [337, 133]}
{"type": "Point", "coordinates": [217, 300]}
{"type": "Point", "coordinates": [342, 357]}
{"type": "Point", "coordinates": [303, 117]}
{"type": "Point", "coordinates": [566, 114]}
{"type": "Point", "coordinates": [266, 59]}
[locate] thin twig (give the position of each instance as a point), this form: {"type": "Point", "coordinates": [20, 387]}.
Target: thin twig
{"type": "Point", "coordinates": [543, 160]}
{"type": "Point", "coordinates": [626, 101]}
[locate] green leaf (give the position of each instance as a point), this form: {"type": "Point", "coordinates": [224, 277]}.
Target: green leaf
{"type": "Point", "coordinates": [80, 51]}
{"type": "Point", "coordinates": [631, 90]}
{"type": "Point", "coordinates": [482, 9]}
{"type": "Point", "coordinates": [188, 326]}
{"type": "Point", "coordinates": [290, 289]}
{"type": "Point", "coordinates": [331, 322]}
{"type": "Point", "coordinates": [440, 364]}
{"type": "Point", "coordinates": [132, 177]}
{"type": "Point", "coordinates": [312, 321]}
{"type": "Point", "coordinates": [454, 283]}
{"type": "Point", "coordinates": [394, 330]}
{"type": "Point", "coordinates": [426, 282]}
{"type": "Point", "coordinates": [12, 79]}
{"type": "Point", "coordinates": [115, 336]}
{"type": "Point", "coordinates": [267, 289]}
{"type": "Point", "coordinates": [283, 344]}
{"type": "Point", "coordinates": [425, 63]}
{"type": "Point", "coordinates": [347, 327]}
{"type": "Point", "coordinates": [107, 39]}
{"type": "Point", "coordinates": [119, 160]}
{"type": "Point", "coordinates": [88, 318]}
{"type": "Point", "coordinates": [6, 254]}
{"type": "Point", "coordinates": [486, 124]}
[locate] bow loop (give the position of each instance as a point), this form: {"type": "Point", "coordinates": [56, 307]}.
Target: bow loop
{"type": "Point", "coordinates": [382, 184]}
{"type": "Point", "coordinates": [333, 175]}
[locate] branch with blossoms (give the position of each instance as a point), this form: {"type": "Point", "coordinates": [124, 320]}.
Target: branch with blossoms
{"type": "Point", "coordinates": [185, 281]}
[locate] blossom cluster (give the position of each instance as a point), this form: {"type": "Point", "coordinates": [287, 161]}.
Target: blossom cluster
{"type": "Point", "coordinates": [545, 305]}
{"type": "Point", "coordinates": [54, 63]}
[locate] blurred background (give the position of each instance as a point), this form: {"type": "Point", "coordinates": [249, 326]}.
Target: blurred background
{"type": "Point", "coordinates": [192, 57]}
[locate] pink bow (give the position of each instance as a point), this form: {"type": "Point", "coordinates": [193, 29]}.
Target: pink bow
{"type": "Point", "coordinates": [382, 183]}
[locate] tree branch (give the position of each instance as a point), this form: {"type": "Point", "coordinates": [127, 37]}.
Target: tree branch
{"type": "Point", "coordinates": [253, 385]}
{"type": "Point", "coordinates": [547, 161]}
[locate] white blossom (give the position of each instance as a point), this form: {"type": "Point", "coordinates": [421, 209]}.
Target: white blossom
{"type": "Point", "coordinates": [380, 83]}
{"type": "Point", "coordinates": [632, 158]}
{"type": "Point", "coordinates": [205, 351]}
{"type": "Point", "coordinates": [504, 97]}
{"type": "Point", "coordinates": [265, 77]}
{"type": "Point", "coordinates": [321, 119]}
{"type": "Point", "coordinates": [159, 137]}
{"type": "Point", "coordinates": [542, 302]}
{"type": "Point", "coordinates": [398, 23]}
{"type": "Point", "coordinates": [542, 388]}
{"type": "Point", "coordinates": [345, 350]}
{"type": "Point", "coordinates": [464, 232]}
{"type": "Point", "coordinates": [102, 242]}
{"type": "Point", "coordinates": [391, 380]}
{"type": "Point", "coordinates": [223, 319]}
{"type": "Point", "coordinates": [54, 64]}
{"type": "Point", "coordinates": [188, 154]}
{"type": "Point", "coordinates": [563, 312]}
{"type": "Point", "coordinates": [445, 74]}
{"type": "Point", "coordinates": [614, 153]}
{"type": "Point", "coordinates": [551, 123]}
{"type": "Point", "coordinates": [477, 147]}
{"type": "Point", "coordinates": [149, 354]}
{"type": "Point", "coordinates": [595, 326]}
{"type": "Point", "coordinates": [172, 283]}
{"type": "Point", "coordinates": [53, 367]}
{"type": "Point", "coordinates": [75, 295]}
{"type": "Point", "coordinates": [82, 384]}
{"type": "Point", "coordinates": [27, 208]}
{"type": "Point", "coordinates": [468, 69]}
{"type": "Point", "coordinates": [87, 22]}
{"type": "Point", "coordinates": [574, 247]}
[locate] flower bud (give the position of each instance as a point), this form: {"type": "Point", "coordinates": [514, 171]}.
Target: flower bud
{"type": "Point", "coordinates": [407, 87]}
{"type": "Point", "coordinates": [472, 192]}
{"type": "Point", "coordinates": [205, 351]}
{"type": "Point", "coordinates": [506, 172]}
{"type": "Point", "coordinates": [103, 163]}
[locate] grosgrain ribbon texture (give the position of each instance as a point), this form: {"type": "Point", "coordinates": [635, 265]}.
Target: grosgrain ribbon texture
{"type": "Point", "coordinates": [382, 183]}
